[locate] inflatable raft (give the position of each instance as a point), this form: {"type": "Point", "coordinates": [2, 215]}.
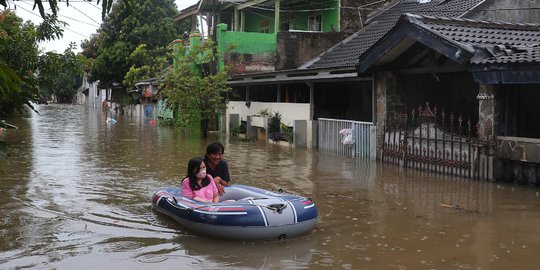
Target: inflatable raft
{"type": "Point", "coordinates": [245, 213]}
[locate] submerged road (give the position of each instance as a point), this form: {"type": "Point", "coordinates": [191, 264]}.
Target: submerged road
{"type": "Point", "coordinates": [75, 194]}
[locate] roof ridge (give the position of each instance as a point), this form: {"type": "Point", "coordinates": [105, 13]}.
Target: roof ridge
{"type": "Point", "coordinates": [467, 22]}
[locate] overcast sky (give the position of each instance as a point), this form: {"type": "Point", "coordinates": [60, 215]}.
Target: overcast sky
{"type": "Point", "coordinates": [83, 17]}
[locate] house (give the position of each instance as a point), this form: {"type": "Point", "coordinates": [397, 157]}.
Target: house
{"type": "Point", "coordinates": [330, 83]}
{"type": "Point", "coordinates": [89, 94]}
{"type": "Point", "coordinates": [260, 54]}
{"type": "Point", "coordinates": [146, 90]}
{"type": "Point", "coordinates": [485, 71]}
{"type": "Point", "coordinates": [395, 63]}
{"type": "Point", "coordinates": [488, 69]}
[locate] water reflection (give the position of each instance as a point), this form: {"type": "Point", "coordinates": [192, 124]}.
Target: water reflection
{"type": "Point", "coordinates": [75, 194]}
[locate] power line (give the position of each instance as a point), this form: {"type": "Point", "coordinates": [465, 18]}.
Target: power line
{"type": "Point", "coordinates": [64, 28]}
{"type": "Point", "coordinates": [73, 19]}
{"type": "Point", "coordinates": [82, 35]}
{"type": "Point", "coordinates": [84, 14]}
{"type": "Point", "coordinates": [90, 3]}
{"type": "Point", "coordinates": [64, 16]}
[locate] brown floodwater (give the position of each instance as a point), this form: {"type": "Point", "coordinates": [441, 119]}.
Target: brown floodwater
{"type": "Point", "coordinates": [75, 194]}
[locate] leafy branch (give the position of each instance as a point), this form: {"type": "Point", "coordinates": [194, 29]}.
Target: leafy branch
{"type": "Point", "coordinates": [194, 88]}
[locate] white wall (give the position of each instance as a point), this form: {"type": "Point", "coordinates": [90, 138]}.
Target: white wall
{"type": "Point", "coordinates": [289, 111]}
{"type": "Point", "coordinates": [93, 98]}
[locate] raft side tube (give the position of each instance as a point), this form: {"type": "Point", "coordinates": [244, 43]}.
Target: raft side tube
{"type": "Point", "coordinates": [255, 214]}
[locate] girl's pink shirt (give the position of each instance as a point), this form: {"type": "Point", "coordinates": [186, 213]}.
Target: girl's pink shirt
{"type": "Point", "coordinates": [206, 192]}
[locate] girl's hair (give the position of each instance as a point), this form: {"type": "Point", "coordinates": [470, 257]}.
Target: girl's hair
{"type": "Point", "coordinates": [214, 148]}
{"type": "Point", "coordinates": [194, 166]}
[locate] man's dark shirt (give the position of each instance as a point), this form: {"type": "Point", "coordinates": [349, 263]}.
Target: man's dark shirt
{"type": "Point", "coordinates": [221, 170]}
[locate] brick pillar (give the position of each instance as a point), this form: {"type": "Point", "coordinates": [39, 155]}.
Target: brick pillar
{"type": "Point", "coordinates": [384, 81]}
{"type": "Point", "coordinates": [486, 112]}
{"type": "Point", "coordinates": [487, 119]}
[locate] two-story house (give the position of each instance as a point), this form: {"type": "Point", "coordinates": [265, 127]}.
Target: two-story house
{"type": "Point", "coordinates": [270, 40]}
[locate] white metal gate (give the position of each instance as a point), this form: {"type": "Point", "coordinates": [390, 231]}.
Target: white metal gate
{"type": "Point", "coordinates": [363, 134]}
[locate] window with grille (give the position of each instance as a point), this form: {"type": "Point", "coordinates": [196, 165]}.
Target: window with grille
{"type": "Point", "coordinates": [315, 23]}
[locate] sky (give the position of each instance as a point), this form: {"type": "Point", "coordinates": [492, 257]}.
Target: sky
{"type": "Point", "coordinates": [83, 19]}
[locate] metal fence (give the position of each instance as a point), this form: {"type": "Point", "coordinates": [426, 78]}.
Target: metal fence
{"type": "Point", "coordinates": [361, 143]}
{"type": "Point", "coordinates": [431, 141]}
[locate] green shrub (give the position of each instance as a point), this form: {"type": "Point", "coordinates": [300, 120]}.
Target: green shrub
{"type": "Point", "coordinates": [241, 129]}
{"type": "Point", "coordinates": [287, 132]}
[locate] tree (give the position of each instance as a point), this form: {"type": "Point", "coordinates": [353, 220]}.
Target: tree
{"type": "Point", "coordinates": [60, 74]}
{"type": "Point", "coordinates": [18, 63]}
{"type": "Point", "coordinates": [53, 4]}
{"type": "Point", "coordinates": [146, 64]}
{"type": "Point", "coordinates": [132, 42]}
{"type": "Point", "coordinates": [194, 88]}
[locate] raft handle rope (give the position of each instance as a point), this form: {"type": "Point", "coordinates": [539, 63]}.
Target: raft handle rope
{"type": "Point", "coordinates": [276, 207]}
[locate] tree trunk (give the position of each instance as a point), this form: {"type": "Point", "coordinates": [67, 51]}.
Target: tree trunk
{"type": "Point", "coordinates": [204, 127]}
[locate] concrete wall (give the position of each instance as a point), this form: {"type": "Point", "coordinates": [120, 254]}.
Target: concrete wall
{"type": "Point", "coordinates": [519, 160]}
{"type": "Point", "coordinates": [521, 11]}
{"type": "Point", "coordinates": [292, 114]}
{"type": "Point", "coordinates": [352, 20]}
{"type": "Point", "coordinates": [289, 111]}
{"type": "Point", "coordinates": [243, 63]}
{"type": "Point", "coordinates": [519, 149]}
{"type": "Point", "coordinates": [295, 48]}
{"type": "Point", "coordinates": [92, 97]}
{"type": "Point", "coordinates": [247, 52]}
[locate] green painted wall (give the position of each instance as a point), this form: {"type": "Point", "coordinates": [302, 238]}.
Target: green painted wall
{"type": "Point", "coordinates": [331, 17]}
{"type": "Point", "coordinates": [252, 43]}
{"type": "Point", "coordinates": [243, 42]}
{"type": "Point", "coordinates": [163, 111]}
{"type": "Point", "coordinates": [256, 21]}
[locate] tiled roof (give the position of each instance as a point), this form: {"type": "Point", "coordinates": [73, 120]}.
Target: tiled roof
{"type": "Point", "coordinates": [493, 42]}
{"type": "Point", "coordinates": [346, 53]}
{"type": "Point", "coordinates": [529, 56]}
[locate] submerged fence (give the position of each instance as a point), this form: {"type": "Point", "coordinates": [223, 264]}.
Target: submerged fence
{"type": "Point", "coordinates": [431, 141]}
{"type": "Point", "coordinates": [349, 138]}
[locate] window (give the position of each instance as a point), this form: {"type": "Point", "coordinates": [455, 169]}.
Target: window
{"type": "Point", "coordinates": [286, 22]}
{"type": "Point", "coordinates": [285, 26]}
{"type": "Point", "coordinates": [315, 23]}
{"type": "Point", "coordinates": [264, 26]}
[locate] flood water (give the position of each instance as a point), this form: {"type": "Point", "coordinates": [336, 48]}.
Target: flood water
{"type": "Point", "coordinates": [75, 194]}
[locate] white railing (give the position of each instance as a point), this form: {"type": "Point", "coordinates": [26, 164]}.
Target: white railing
{"type": "Point", "coordinates": [363, 134]}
